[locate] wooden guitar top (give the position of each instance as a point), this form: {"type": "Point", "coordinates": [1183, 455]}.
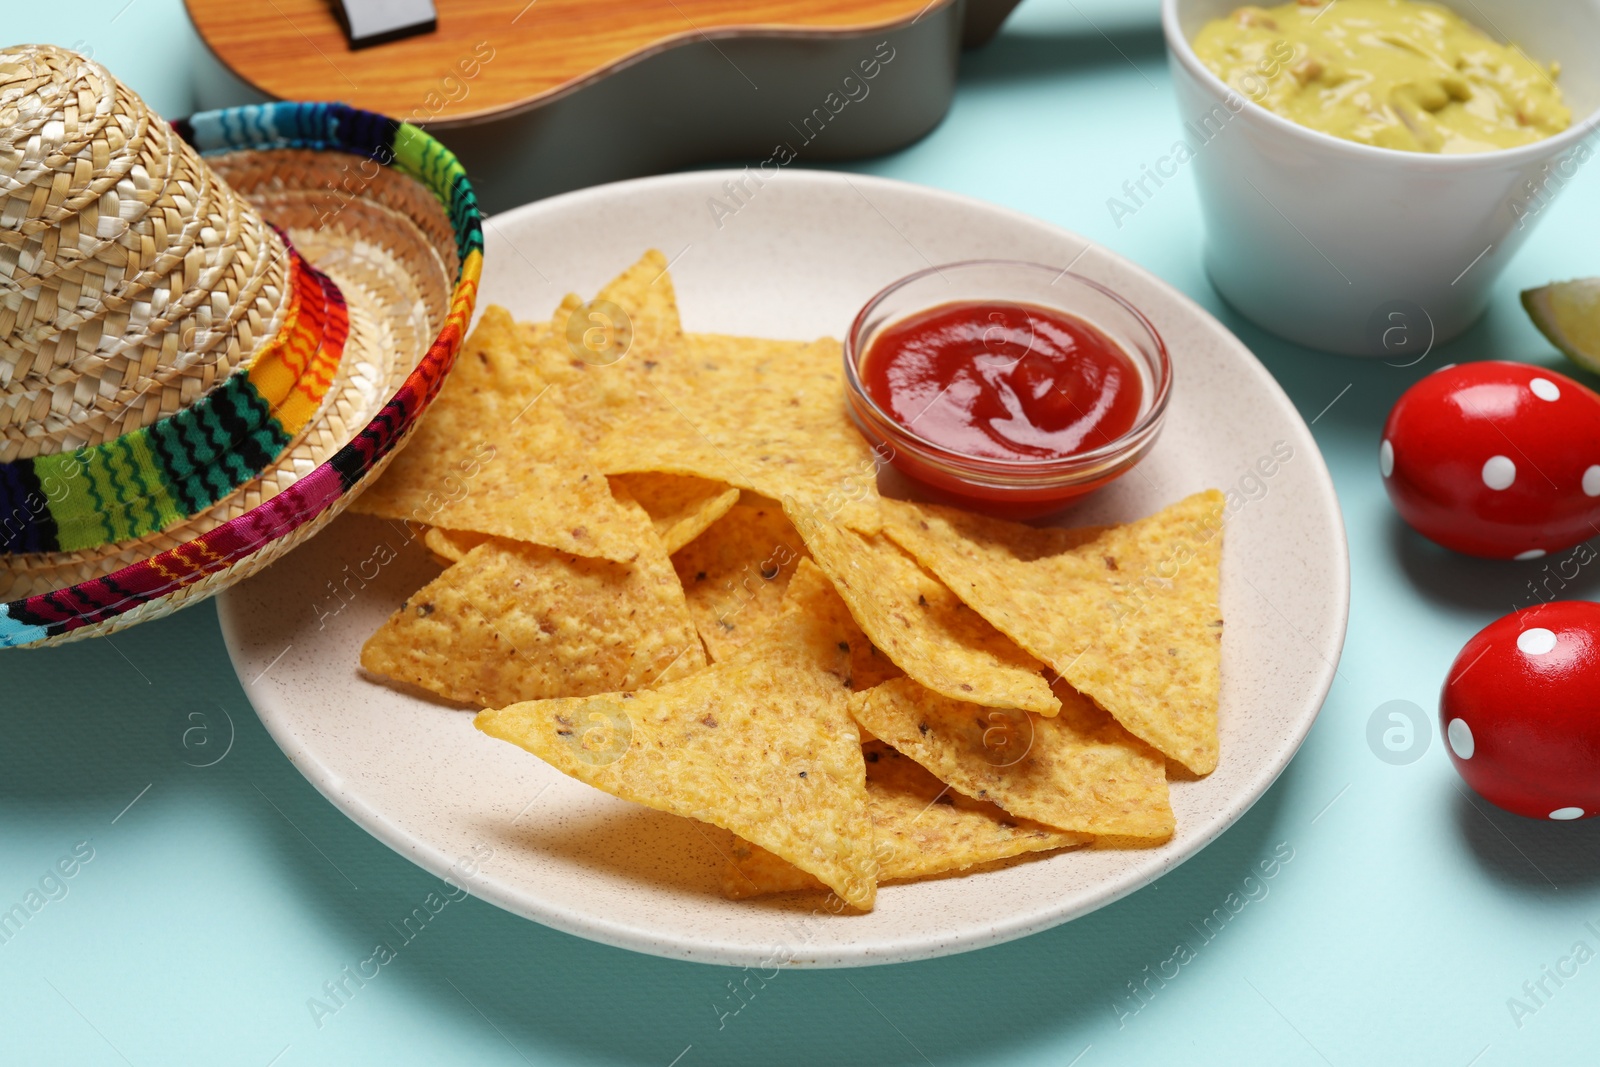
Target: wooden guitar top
{"type": "Point", "coordinates": [489, 58]}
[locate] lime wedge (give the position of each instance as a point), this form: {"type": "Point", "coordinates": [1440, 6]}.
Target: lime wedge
{"type": "Point", "coordinates": [1568, 313]}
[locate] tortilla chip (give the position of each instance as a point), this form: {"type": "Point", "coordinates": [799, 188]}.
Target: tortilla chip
{"type": "Point", "coordinates": [811, 596]}
{"type": "Point", "coordinates": [452, 546]}
{"type": "Point", "coordinates": [617, 361]}
{"type": "Point", "coordinates": [735, 575]}
{"type": "Point", "coordinates": [1017, 540]}
{"type": "Point", "coordinates": [514, 621]}
{"type": "Point", "coordinates": [757, 414]}
{"type": "Point", "coordinates": [767, 416]}
{"type": "Point", "coordinates": [1076, 771]}
{"type": "Point", "coordinates": [923, 828]}
{"type": "Point", "coordinates": [761, 745]}
{"type": "Point", "coordinates": [679, 507]}
{"type": "Point", "coordinates": [1130, 617]}
{"type": "Point", "coordinates": [921, 625]}
{"type": "Point", "coordinates": [575, 513]}
{"type": "Point", "coordinates": [870, 667]}
{"type": "Point", "coordinates": [491, 456]}
{"type": "Point", "coordinates": [645, 294]}
{"type": "Point", "coordinates": [495, 365]}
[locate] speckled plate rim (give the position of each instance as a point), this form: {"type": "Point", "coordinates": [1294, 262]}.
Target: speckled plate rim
{"type": "Point", "coordinates": [1144, 866]}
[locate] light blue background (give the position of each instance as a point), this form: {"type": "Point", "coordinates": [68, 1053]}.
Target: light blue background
{"type": "Point", "coordinates": [227, 895]}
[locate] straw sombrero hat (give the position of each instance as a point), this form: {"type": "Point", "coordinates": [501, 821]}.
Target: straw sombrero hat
{"type": "Point", "coordinates": [203, 360]}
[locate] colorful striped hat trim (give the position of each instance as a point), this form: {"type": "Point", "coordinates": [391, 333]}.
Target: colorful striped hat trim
{"type": "Point", "coordinates": [154, 477]}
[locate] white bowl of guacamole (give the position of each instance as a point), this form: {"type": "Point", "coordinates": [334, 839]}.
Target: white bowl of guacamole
{"type": "Point", "coordinates": [1367, 167]}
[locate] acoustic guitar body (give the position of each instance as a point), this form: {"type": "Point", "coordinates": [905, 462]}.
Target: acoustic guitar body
{"type": "Point", "coordinates": [539, 98]}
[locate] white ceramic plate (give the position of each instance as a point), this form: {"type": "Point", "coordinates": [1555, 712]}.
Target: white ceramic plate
{"type": "Point", "coordinates": [796, 260]}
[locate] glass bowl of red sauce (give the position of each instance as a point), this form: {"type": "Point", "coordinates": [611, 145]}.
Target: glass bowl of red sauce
{"type": "Point", "coordinates": [1006, 387]}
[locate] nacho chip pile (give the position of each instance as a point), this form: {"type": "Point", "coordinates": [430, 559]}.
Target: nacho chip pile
{"type": "Point", "coordinates": [667, 572]}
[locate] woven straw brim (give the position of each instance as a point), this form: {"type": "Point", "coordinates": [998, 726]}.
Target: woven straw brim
{"type": "Point", "coordinates": [391, 249]}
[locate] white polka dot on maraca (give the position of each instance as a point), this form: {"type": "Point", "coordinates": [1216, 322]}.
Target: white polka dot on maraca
{"type": "Point", "coordinates": [1545, 389]}
{"type": "Point", "coordinates": [1591, 481]}
{"type": "Point", "coordinates": [1536, 641]}
{"type": "Point", "coordinates": [1564, 814]}
{"type": "Point", "coordinates": [1386, 462]}
{"type": "Point", "coordinates": [1460, 737]}
{"type": "Point", "coordinates": [1499, 472]}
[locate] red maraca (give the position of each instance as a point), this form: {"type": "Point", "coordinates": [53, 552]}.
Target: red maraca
{"type": "Point", "coordinates": [1521, 711]}
{"type": "Point", "coordinates": [1496, 459]}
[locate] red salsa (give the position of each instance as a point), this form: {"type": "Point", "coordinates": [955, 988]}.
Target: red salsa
{"type": "Point", "coordinates": [1003, 381]}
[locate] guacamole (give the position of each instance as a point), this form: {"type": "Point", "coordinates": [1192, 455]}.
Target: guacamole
{"type": "Point", "coordinates": [1391, 73]}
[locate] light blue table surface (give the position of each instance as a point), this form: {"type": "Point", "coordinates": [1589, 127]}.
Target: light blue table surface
{"type": "Point", "coordinates": [221, 901]}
